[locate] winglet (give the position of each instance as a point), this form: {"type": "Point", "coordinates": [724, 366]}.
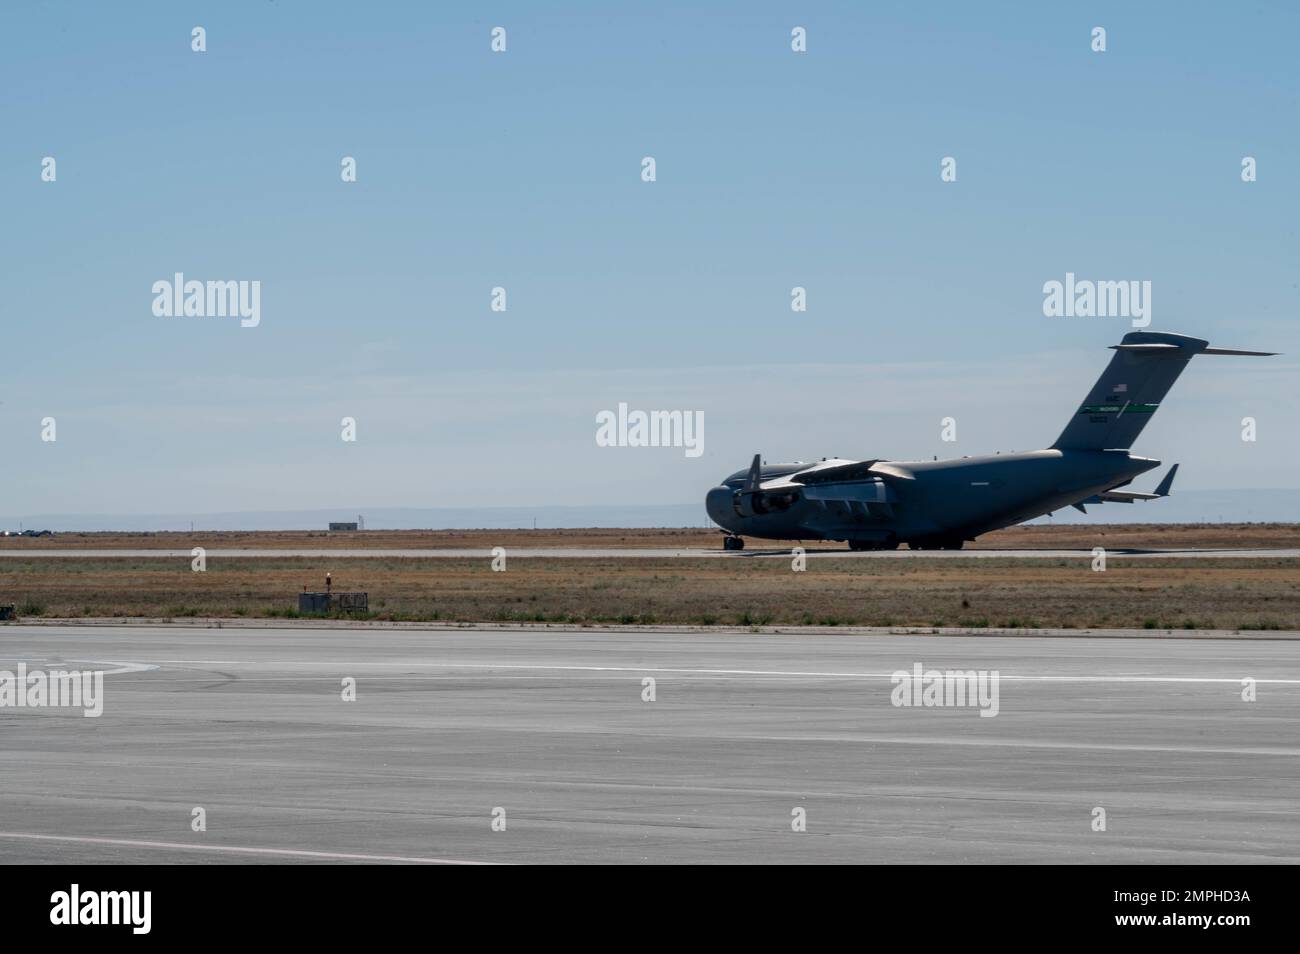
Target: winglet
{"type": "Point", "coordinates": [754, 478]}
{"type": "Point", "coordinates": [1163, 489]}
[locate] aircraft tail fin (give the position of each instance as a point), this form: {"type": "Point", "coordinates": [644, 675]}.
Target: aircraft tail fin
{"type": "Point", "coordinates": [1129, 391]}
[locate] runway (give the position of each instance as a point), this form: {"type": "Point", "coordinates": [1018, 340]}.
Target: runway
{"type": "Point", "coordinates": [553, 729]}
{"type": "Point", "coordinates": [812, 550]}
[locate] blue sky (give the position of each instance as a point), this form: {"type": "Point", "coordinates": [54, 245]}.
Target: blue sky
{"type": "Point", "coordinates": [521, 169]}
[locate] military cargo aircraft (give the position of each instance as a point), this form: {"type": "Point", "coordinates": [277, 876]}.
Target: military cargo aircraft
{"type": "Point", "coordinates": [942, 504]}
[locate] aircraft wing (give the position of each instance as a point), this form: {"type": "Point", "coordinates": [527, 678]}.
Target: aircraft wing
{"type": "Point", "coordinates": [835, 471]}
{"type": "Point", "coordinates": [837, 489]}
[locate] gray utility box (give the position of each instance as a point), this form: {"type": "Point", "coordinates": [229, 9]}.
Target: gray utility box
{"type": "Point", "coordinates": [330, 602]}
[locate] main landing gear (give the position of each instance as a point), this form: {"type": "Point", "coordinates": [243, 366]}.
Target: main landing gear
{"type": "Point", "coordinates": [890, 544]}
{"type": "Point", "coordinates": [937, 544]}
{"type": "Point", "coordinates": [733, 543]}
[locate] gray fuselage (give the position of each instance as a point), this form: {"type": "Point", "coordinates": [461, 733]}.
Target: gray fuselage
{"type": "Point", "coordinates": [920, 501]}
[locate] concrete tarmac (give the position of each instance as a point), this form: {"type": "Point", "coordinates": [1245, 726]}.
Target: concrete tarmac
{"type": "Point", "coordinates": [553, 732]}
{"type": "Point", "coordinates": [649, 553]}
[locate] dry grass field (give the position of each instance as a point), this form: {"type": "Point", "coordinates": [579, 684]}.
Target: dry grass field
{"type": "Point", "coordinates": [1166, 593]}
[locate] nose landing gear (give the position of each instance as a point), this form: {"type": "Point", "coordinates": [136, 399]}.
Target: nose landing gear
{"type": "Point", "coordinates": [733, 543]}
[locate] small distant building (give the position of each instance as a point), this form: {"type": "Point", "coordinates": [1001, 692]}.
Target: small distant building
{"type": "Point", "coordinates": [343, 526]}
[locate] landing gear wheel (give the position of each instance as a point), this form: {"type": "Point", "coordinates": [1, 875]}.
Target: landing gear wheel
{"type": "Point", "coordinates": [933, 544]}
{"type": "Point", "coordinates": [733, 543]}
{"type": "Point", "coordinates": [890, 543]}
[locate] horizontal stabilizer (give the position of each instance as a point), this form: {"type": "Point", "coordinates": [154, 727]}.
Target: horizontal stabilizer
{"type": "Point", "coordinates": [1156, 348]}
{"type": "Point", "coordinates": [1253, 354]}
{"type": "Point", "coordinates": [1163, 489]}
{"type": "Point", "coordinates": [1128, 496]}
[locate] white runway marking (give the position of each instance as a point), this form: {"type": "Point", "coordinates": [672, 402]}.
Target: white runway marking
{"type": "Point", "coordinates": [59, 662]}
{"type": "Point", "coordinates": [122, 666]}
{"type": "Point", "coordinates": [516, 667]}
{"type": "Point", "coordinates": [636, 553]}
{"type": "Point", "coordinates": [237, 849]}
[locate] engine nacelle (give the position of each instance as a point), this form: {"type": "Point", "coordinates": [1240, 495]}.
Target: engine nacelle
{"type": "Point", "coordinates": [758, 502]}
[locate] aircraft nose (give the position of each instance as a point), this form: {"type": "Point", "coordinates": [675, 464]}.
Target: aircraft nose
{"type": "Point", "coordinates": [718, 504]}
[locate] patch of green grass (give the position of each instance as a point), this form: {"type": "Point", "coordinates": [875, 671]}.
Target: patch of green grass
{"type": "Point", "coordinates": [284, 612]}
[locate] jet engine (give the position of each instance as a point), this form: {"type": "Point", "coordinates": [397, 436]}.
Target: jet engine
{"type": "Point", "coordinates": [749, 501]}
